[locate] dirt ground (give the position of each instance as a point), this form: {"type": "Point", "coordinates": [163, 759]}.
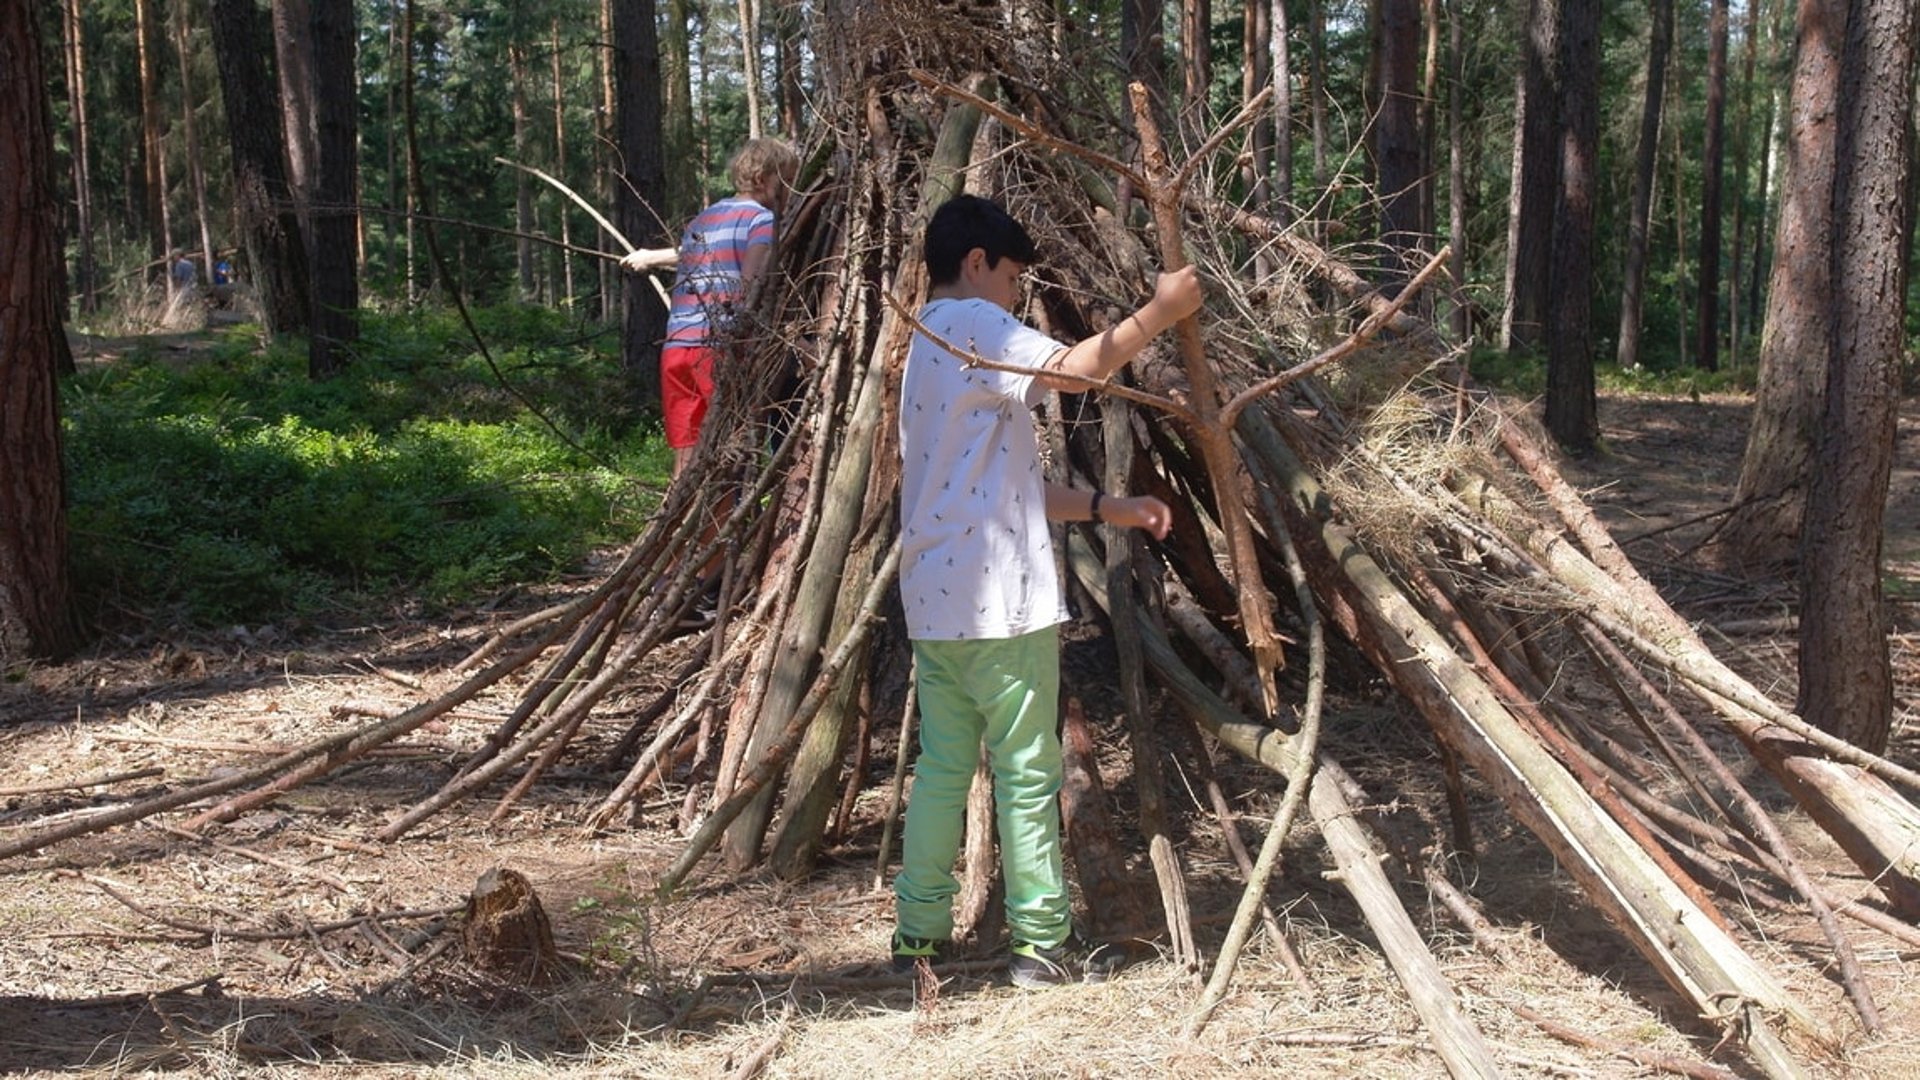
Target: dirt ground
{"type": "Point", "coordinates": [290, 943]}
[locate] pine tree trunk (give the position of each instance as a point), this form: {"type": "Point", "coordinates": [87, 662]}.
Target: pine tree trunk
{"type": "Point", "coordinates": [523, 223]}
{"type": "Point", "coordinates": [1646, 155]}
{"type": "Point", "coordinates": [333, 210]}
{"type": "Point", "coordinates": [561, 167]}
{"type": "Point", "coordinates": [1196, 61]}
{"type": "Point", "coordinates": [196, 171]}
{"type": "Point", "coordinates": [275, 242]}
{"type": "Point", "coordinates": [154, 189]}
{"type": "Point", "coordinates": [36, 620]}
{"type": "Point", "coordinates": [1706, 353]}
{"type": "Point", "coordinates": [636, 78]}
{"type": "Point", "coordinates": [1281, 204]}
{"type": "Point", "coordinates": [1571, 408]}
{"type": "Point", "coordinates": [1790, 401]}
{"type": "Point", "coordinates": [1396, 135]}
{"type": "Point", "coordinates": [1536, 178]}
{"type": "Point", "coordinates": [74, 35]}
{"type": "Point", "coordinates": [293, 49]}
{"type": "Point", "coordinates": [1846, 678]}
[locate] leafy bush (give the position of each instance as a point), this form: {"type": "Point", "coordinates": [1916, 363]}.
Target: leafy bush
{"type": "Point", "coordinates": [229, 487]}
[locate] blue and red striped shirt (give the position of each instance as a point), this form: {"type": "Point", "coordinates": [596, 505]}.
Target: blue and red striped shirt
{"type": "Point", "coordinates": [713, 254]}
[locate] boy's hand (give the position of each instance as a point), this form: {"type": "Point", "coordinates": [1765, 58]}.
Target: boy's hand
{"type": "Point", "coordinates": [1176, 295]}
{"type": "Point", "coordinates": [644, 259]}
{"type": "Point", "coordinates": [1139, 512]}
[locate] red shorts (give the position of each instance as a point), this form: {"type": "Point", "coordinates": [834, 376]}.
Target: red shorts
{"type": "Point", "coordinates": [686, 386]}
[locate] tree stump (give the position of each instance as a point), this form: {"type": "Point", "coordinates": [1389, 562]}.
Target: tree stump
{"type": "Point", "coordinates": [506, 930]}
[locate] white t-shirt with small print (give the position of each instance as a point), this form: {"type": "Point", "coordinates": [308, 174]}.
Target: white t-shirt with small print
{"type": "Point", "coordinates": [976, 556]}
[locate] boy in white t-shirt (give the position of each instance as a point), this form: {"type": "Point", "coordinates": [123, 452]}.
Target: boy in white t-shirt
{"type": "Point", "coordinates": [983, 600]}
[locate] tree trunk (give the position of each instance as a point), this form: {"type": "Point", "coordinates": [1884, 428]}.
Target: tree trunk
{"type": "Point", "coordinates": [1646, 155]}
{"type": "Point", "coordinates": [1429, 94]}
{"type": "Point", "coordinates": [1143, 47]}
{"type": "Point", "coordinates": [1846, 678]}
{"type": "Point", "coordinates": [637, 200]}
{"type": "Point", "coordinates": [790, 34]}
{"type": "Point", "coordinates": [612, 293]}
{"type": "Point", "coordinates": [1536, 178]}
{"type": "Point", "coordinates": [275, 243]}
{"type": "Point", "coordinates": [1743, 150]}
{"type": "Point", "coordinates": [196, 171]}
{"type": "Point", "coordinates": [1790, 401]}
{"type": "Point", "coordinates": [1396, 135]}
{"type": "Point", "coordinates": [36, 617]}
{"type": "Point", "coordinates": [333, 209]}
{"type": "Point", "coordinates": [750, 65]}
{"type": "Point", "coordinates": [1281, 204]}
{"type": "Point", "coordinates": [159, 235]}
{"type": "Point", "coordinates": [561, 168]}
{"type": "Point", "coordinates": [523, 224]}
{"type": "Point", "coordinates": [293, 48]}
{"type": "Point", "coordinates": [1196, 61]}
{"type": "Point", "coordinates": [684, 169]}
{"type": "Point", "coordinates": [1255, 76]}
{"type": "Point", "coordinates": [1462, 314]}
{"type": "Point", "coordinates": [1706, 353]}
{"type": "Point", "coordinates": [1571, 409]}
{"type": "Point", "coordinates": [74, 37]}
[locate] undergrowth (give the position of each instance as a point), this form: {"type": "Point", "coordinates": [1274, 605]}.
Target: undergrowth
{"type": "Point", "coordinates": [1525, 374]}
{"type": "Point", "coordinates": [222, 485]}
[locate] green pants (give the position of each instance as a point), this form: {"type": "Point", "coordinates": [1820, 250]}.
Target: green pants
{"type": "Point", "coordinates": [1007, 693]}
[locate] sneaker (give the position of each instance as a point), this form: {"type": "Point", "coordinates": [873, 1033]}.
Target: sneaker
{"type": "Point", "coordinates": [1032, 967]}
{"type": "Point", "coordinates": [909, 951]}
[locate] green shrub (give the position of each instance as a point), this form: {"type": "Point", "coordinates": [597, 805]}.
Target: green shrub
{"type": "Point", "coordinates": [229, 487]}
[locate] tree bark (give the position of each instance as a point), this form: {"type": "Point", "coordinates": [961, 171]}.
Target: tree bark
{"type": "Point", "coordinates": [36, 617]}
{"type": "Point", "coordinates": [293, 49]}
{"type": "Point", "coordinates": [275, 242]}
{"type": "Point", "coordinates": [638, 200]}
{"type": "Point", "coordinates": [523, 223]}
{"type": "Point", "coordinates": [333, 205]}
{"type": "Point", "coordinates": [87, 267]}
{"type": "Point", "coordinates": [1396, 135]}
{"type": "Point", "coordinates": [1255, 76]}
{"type": "Point", "coordinates": [1196, 61]}
{"type": "Point", "coordinates": [1706, 352]}
{"type": "Point", "coordinates": [1143, 46]}
{"type": "Point", "coordinates": [153, 158]}
{"type": "Point", "coordinates": [1536, 178]}
{"type": "Point", "coordinates": [1790, 401]}
{"type": "Point", "coordinates": [1462, 313]}
{"type": "Point", "coordinates": [196, 171]}
{"type": "Point", "coordinates": [1646, 156]}
{"type": "Point", "coordinates": [1846, 677]}
{"type": "Point", "coordinates": [1571, 409]}
{"type": "Point", "coordinates": [561, 167]}
{"type": "Point", "coordinates": [1281, 203]}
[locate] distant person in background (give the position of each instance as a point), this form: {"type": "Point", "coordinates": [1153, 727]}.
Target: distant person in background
{"type": "Point", "coordinates": [181, 272]}
{"type": "Point", "coordinates": [722, 251]}
{"type": "Point", "coordinates": [223, 272]}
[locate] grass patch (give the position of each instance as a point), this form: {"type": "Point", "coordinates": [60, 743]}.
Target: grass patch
{"type": "Point", "coordinates": [1524, 374]}
{"type": "Point", "coordinates": [228, 487]}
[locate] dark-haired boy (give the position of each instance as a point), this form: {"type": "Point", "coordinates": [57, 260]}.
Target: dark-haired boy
{"type": "Point", "coordinates": [983, 599]}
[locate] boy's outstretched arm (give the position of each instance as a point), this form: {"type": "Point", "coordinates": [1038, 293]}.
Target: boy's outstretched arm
{"type": "Point", "coordinates": [1175, 296]}
{"type": "Point", "coordinates": [1139, 512]}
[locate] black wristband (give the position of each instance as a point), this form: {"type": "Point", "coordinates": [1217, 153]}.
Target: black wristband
{"type": "Point", "coordinates": [1094, 510]}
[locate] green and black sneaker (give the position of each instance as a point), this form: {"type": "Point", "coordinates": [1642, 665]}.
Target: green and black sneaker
{"type": "Point", "coordinates": [1032, 967]}
{"type": "Point", "coordinates": [908, 951]}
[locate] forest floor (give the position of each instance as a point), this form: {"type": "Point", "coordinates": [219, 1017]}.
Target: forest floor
{"type": "Point", "coordinates": [289, 943]}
